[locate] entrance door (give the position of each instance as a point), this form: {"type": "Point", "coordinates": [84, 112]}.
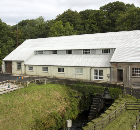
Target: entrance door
{"type": "Point", "coordinates": [8, 66]}
{"type": "Point", "coordinates": [120, 75]}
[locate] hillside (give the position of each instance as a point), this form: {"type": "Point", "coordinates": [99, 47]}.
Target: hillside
{"type": "Point", "coordinates": [37, 107]}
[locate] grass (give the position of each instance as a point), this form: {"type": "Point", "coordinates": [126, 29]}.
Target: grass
{"type": "Point", "coordinates": [19, 110]}
{"type": "Point", "coordinates": [124, 121]}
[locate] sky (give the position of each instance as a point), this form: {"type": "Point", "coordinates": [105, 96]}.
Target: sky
{"type": "Point", "coordinates": [14, 11]}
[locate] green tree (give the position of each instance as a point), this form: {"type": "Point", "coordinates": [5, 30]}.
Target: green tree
{"type": "Point", "coordinates": [73, 17]}
{"type": "Point", "coordinates": [130, 20]}
{"type": "Point", "coordinates": [113, 11]}
{"type": "Point", "coordinates": [57, 29]}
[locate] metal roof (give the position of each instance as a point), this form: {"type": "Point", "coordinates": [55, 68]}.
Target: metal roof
{"type": "Point", "coordinates": [129, 51]}
{"type": "Point", "coordinates": [71, 60]}
{"type": "Point", "coordinates": [126, 43]}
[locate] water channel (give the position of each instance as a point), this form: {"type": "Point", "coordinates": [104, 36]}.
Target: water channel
{"type": "Point", "coordinates": [82, 119]}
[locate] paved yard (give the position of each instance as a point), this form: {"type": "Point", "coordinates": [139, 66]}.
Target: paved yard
{"type": "Point", "coordinates": [5, 77]}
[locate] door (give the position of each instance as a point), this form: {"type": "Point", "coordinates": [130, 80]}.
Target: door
{"type": "Point", "coordinates": [120, 75]}
{"type": "Point", "coordinates": [8, 66]}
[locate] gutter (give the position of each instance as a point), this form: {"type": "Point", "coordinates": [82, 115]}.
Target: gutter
{"type": "Point", "coordinates": [129, 73]}
{"type": "Point", "coordinates": [90, 73]}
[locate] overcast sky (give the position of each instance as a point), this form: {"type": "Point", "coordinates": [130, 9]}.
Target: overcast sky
{"type": "Point", "coordinates": [13, 11]}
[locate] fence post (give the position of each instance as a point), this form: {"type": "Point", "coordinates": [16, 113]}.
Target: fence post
{"type": "Point", "coordinates": [137, 96]}
{"type": "Point", "coordinates": [45, 81]}
{"type": "Point", "coordinates": [94, 127]}
{"type": "Point", "coordinates": [139, 115]}
{"type": "Point", "coordinates": [115, 114]}
{"type": "Point", "coordinates": [131, 91]}
{"type": "Point", "coordinates": [35, 81]}
{"type": "Point", "coordinates": [126, 105]}
{"type": "Point", "coordinates": [27, 83]}
{"type": "Point", "coordinates": [136, 122]}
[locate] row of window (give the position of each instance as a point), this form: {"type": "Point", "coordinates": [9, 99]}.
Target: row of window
{"type": "Point", "coordinates": [98, 73]}
{"type": "Point", "coordinates": [85, 51]}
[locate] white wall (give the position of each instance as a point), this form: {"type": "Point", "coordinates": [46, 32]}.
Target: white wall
{"type": "Point", "coordinates": [69, 72]}
{"type": "Point", "coordinates": [14, 68]}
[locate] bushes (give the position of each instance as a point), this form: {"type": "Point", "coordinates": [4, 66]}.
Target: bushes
{"type": "Point", "coordinates": [115, 92]}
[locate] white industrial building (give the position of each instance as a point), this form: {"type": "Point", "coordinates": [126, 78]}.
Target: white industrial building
{"type": "Point", "coordinates": [87, 57]}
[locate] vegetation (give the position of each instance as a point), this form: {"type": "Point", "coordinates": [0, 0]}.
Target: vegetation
{"type": "Point", "coordinates": [38, 107]}
{"type": "Point", "coordinates": [124, 121]}
{"type": "Point", "coordinates": [115, 92]}
{"type": "Point", "coordinates": [115, 16]}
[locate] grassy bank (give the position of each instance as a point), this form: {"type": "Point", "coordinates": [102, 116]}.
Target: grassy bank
{"type": "Point", "coordinates": [37, 107]}
{"type": "Point", "coordinates": [124, 121]}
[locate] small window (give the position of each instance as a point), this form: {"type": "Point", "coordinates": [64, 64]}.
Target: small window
{"type": "Point", "coordinates": [30, 68]}
{"type": "Point", "coordinates": [45, 69]}
{"type": "Point", "coordinates": [54, 52]}
{"type": "Point", "coordinates": [86, 51]}
{"type": "Point", "coordinates": [79, 70]}
{"type": "Point", "coordinates": [98, 74]}
{"type": "Point", "coordinates": [68, 51]}
{"type": "Point", "coordinates": [60, 69]}
{"type": "Point", "coordinates": [105, 50]}
{"type": "Point", "coordinates": [18, 66]}
{"type": "Point", "coordinates": [40, 52]}
{"type": "Point", "coordinates": [136, 72]}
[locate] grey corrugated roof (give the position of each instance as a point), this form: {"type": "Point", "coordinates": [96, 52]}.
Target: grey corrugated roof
{"type": "Point", "coordinates": [71, 60]}
{"type": "Point", "coordinates": [126, 44]}
{"type": "Point", "coordinates": [129, 51]}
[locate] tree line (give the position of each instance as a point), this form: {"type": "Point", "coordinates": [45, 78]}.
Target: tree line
{"type": "Point", "coordinates": [112, 17]}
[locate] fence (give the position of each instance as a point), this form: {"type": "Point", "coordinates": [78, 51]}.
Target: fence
{"type": "Point", "coordinates": [133, 92]}
{"type": "Point", "coordinates": [111, 117]}
{"type": "Point", "coordinates": [108, 119]}
{"type": "Point", "coordinates": [136, 124]}
{"type": "Point", "coordinates": [9, 86]}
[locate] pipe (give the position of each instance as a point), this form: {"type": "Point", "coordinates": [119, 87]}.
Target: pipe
{"type": "Point", "coordinates": [90, 73]}
{"type": "Point", "coordinates": [129, 74]}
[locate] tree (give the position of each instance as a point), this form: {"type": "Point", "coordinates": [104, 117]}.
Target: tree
{"type": "Point", "coordinates": [130, 20]}
{"type": "Point", "coordinates": [57, 29]}
{"type": "Point", "coordinates": [73, 17]}
{"type": "Point", "coordinates": [114, 10]}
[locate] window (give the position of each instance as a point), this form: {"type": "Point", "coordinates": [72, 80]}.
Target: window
{"type": "Point", "coordinates": [105, 50]}
{"type": "Point", "coordinates": [40, 52]}
{"type": "Point", "coordinates": [86, 51]}
{"type": "Point", "coordinates": [30, 68]}
{"type": "Point", "coordinates": [79, 70]}
{"type": "Point", "coordinates": [98, 74]}
{"type": "Point", "coordinates": [54, 52]}
{"type": "Point", "coordinates": [136, 72]}
{"type": "Point", "coordinates": [45, 69]}
{"type": "Point", "coordinates": [68, 51]}
{"type": "Point", "coordinates": [60, 69]}
{"type": "Point", "coordinates": [18, 66]}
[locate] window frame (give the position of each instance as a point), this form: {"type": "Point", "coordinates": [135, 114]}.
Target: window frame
{"type": "Point", "coordinates": [97, 75]}
{"type": "Point", "coordinates": [18, 66]}
{"type": "Point", "coordinates": [135, 72]}
{"type": "Point", "coordinates": [86, 51]}
{"type": "Point", "coordinates": [54, 51]}
{"type": "Point", "coordinates": [105, 51]}
{"type": "Point", "coordinates": [67, 51]}
{"type": "Point", "coordinates": [78, 71]}
{"type": "Point", "coordinates": [30, 67]}
{"type": "Point", "coordinates": [38, 52]}
{"type": "Point", "coordinates": [45, 70]}
{"type": "Point", "coordinates": [61, 70]}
